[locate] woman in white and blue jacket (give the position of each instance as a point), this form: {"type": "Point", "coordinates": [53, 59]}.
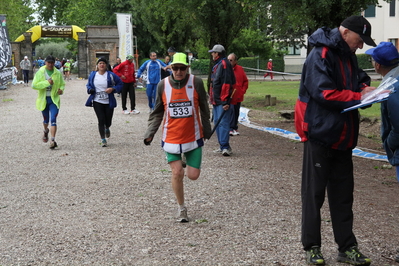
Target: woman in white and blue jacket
{"type": "Point", "coordinates": [101, 86]}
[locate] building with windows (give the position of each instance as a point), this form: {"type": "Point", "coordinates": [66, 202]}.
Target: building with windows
{"type": "Point", "coordinates": [384, 18]}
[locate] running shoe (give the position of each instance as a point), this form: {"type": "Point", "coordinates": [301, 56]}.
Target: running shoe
{"type": "Point", "coordinates": [183, 218]}
{"type": "Point", "coordinates": [135, 112]}
{"type": "Point", "coordinates": [53, 145]}
{"type": "Point", "coordinates": [236, 133]}
{"type": "Point", "coordinates": [183, 160]}
{"type": "Point", "coordinates": [126, 112]}
{"type": "Point", "coordinates": [353, 256]}
{"type": "Point", "coordinates": [218, 151]}
{"type": "Point", "coordinates": [227, 152]}
{"type": "Point", "coordinates": [314, 256]}
{"type": "Point", "coordinates": [45, 135]}
{"type": "Point", "coordinates": [231, 133]}
{"type": "Point", "coordinates": [104, 143]}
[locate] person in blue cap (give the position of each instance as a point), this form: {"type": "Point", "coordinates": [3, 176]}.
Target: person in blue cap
{"type": "Point", "coordinates": [385, 60]}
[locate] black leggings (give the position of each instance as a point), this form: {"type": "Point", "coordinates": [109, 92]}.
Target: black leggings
{"type": "Point", "coordinates": [104, 116]}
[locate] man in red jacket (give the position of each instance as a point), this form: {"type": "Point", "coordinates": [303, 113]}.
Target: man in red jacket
{"type": "Point", "coordinates": [125, 71]}
{"type": "Point", "coordinates": [241, 89]}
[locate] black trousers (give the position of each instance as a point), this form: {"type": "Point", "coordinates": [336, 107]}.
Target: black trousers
{"type": "Point", "coordinates": [325, 168]}
{"type": "Point", "coordinates": [128, 88]}
{"type": "Point", "coordinates": [104, 115]}
{"type": "Point", "coordinates": [235, 116]}
{"type": "Point", "coordinates": [25, 73]}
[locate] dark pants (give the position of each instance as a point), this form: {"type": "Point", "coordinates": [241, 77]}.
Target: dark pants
{"type": "Point", "coordinates": [128, 88]}
{"type": "Point", "coordinates": [332, 169]}
{"type": "Point", "coordinates": [104, 115]}
{"type": "Point", "coordinates": [234, 117]}
{"type": "Point", "coordinates": [26, 75]}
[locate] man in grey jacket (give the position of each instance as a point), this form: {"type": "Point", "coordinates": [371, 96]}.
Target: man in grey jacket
{"type": "Point", "coordinates": [25, 67]}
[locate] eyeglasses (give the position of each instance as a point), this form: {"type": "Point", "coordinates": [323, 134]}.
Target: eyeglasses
{"type": "Point", "coordinates": [181, 68]}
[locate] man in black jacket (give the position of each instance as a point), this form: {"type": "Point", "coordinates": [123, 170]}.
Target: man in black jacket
{"type": "Point", "coordinates": [331, 81]}
{"type": "Point", "coordinates": [222, 84]}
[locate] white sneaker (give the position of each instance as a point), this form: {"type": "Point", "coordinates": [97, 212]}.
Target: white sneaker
{"type": "Point", "coordinates": [135, 112]}
{"type": "Point", "coordinates": [218, 151]}
{"type": "Point", "coordinates": [231, 132]}
{"type": "Point", "coordinates": [126, 112]}
{"type": "Point", "coordinates": [236, 133]}
{"type": "Point", "coordinates": [183, 218]}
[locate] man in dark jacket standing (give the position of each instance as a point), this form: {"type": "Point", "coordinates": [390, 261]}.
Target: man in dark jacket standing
{"type": "Point", "coordinates": [330, 82]}
{"type": "Point", "coordinates": [222, 82]}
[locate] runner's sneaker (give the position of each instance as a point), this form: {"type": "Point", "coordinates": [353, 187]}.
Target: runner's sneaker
{"type": "Point", "coordinates": [183, 218]}
{"type": "Point", "coordinates": [353, 256]}
{"type": "Point", "coordinates": [103, 143]}
{"type": "Point", "coordinates": [53, 145]}
{"type": "Point", "coordinates": [236, 133]}
{"type": "Point", "coordinates": [45, 135]}
{"type": "Point", "coordinates": [231, 133]}
{"type": "Point", "coordinates": [227, 152]}
{"type": "Point", "coordinates": [183, 160]}
{"type": "Point", "coordinates": [218, 151]}
{"type": "Point", "coordinates": [135, 112]}
{"type": "Point", "coordinates": [314, 256]}
{"type": "Point", "coordinates": [107, 133]}
{"type": "Point", "coordinates": [126, 112]}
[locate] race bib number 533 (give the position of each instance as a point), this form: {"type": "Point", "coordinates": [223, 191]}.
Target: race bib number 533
{"type": "Point", "coordinates": [180, 109]}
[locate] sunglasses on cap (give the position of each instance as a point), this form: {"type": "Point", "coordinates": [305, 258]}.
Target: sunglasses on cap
{"type": "Point", "coordinates": [181, 68]}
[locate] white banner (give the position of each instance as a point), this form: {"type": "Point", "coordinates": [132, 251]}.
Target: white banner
{"type": "Point", "coordinates": [125, 30]}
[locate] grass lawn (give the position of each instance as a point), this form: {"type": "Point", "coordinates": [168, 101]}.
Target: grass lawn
{"type": "Point", "coordinates": [286, 93]}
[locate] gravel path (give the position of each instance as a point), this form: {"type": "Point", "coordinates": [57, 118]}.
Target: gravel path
{"type": "Point", "coordinates": [82, 204]}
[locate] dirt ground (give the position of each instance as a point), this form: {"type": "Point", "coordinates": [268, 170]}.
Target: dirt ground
{"type": "Point", "coordinates": [86, 205]}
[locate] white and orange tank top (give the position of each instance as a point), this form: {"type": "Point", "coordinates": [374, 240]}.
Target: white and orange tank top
{"type": "Point", "coordinates": [182, 123]}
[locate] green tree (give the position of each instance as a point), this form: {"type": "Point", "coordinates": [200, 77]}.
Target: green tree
{"type": "Point", "coordinates": [81, 13]}
{"type": "Point", "coordinates": [19, 16]}
{"type": "Point", "coordinates": [56, 49]}
{"type": "Point", "coordinates": [290, 21]}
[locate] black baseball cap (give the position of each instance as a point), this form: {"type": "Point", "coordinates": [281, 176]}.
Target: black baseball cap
{"type": "Point", "coordinates": [361, 26]}
{"type": "Point", "coordinates": [50, 58]}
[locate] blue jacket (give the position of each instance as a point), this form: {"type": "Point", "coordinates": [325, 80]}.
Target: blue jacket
{"type": "Point", "coordinates": [331, 81]}
{"type": "Point", "coordinates": [153, 70]}
{"type": "Point", "coordinates": [390, 122]}
{"type": "Point", "coordinates": [113, 82]}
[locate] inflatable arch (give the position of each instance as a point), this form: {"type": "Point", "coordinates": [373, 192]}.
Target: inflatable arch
{"type": "Point", "coordinates": [52, 31]}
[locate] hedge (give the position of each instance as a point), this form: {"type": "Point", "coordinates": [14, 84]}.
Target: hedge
{"type": "Point", "coordinates": [201, 66]}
